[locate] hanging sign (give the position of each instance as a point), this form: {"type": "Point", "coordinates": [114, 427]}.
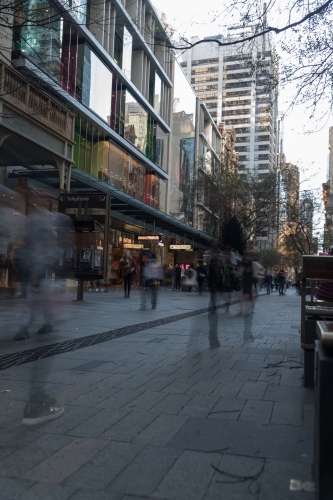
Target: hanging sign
{"type": "Point", "coordinates": [180, 247]}
{"type": "Point", "coordinates": [148, 238]}
{"type": "Point", "coordinates": [133, 245]}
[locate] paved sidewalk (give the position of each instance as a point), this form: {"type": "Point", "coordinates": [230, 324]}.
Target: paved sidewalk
{"type": "Point", "coordinates": [150, 411]}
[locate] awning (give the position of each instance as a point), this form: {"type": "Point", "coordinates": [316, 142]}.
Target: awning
{"type": "Point", "coordinates": [123, 206]}
{"type": "Point", "coordinates": [127, 207]}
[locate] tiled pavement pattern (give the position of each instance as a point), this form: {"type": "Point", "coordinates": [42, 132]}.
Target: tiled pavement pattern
{"type": "Point", "coordinates": [157, 414]}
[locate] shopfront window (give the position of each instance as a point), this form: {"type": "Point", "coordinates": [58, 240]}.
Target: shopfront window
{"type": "Point", "coordinates": [102, 158]}
{"type": "Point", "coordinates": [41, 37]}
{"type": "Point", "coordinates": [136, 118]}
{"type": "Point", "coordinates": [157, 94]}
{"type": "Point", "coordinates": [93, 83]}
{"type": "Point", "coordinates": [161, 140]}
{"type": "Point", "coordinates": [127, 53]}
{"type": "Point", "coordinates": [183, 147]}
{"type": "Point", "coordinates": [69, 59]}
{"type": "Point", "coordinates": [100, 88]}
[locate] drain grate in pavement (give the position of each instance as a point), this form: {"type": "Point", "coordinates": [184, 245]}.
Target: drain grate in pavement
{"type": "Point", "coordinates": [22, 357]}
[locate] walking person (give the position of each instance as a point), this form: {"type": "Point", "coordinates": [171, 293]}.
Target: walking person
{"type": "Point", "coordinates": [229, 265]}
{"type": "Point", "coordinates": [153, 274]}
{"type": "Point", "coordinates": [128, 269]}
{"type": "Point", "coordinates": [255, 280]}
{"type": "Point", "coordinates": [281, 280]}
{"type": "Point", "coordinates": [202, 276]}
{"type": "Point", "coordinates": [215, 283]}
{"type": "Point", "coordinates": [191, 277]}
{"type": "Point", "coordinates": [268, 282]}
{"type": "Point", "coordinates": [178, 276]}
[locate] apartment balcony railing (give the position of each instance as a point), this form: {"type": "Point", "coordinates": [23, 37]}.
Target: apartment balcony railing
{"type": "Point", "coordinates": [34, 103]}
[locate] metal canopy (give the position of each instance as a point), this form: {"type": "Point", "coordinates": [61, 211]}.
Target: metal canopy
{"type": "Point", "coordinates": [128, 206]}
{"type": "Point", "coordinates": [123, 206]}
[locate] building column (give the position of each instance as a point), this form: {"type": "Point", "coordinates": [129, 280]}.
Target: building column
{"type": "Point", "coordinates": [65, 170]}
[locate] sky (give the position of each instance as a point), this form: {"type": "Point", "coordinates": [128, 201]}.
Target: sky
{"type": "Point", "coordinates": [305, 140]}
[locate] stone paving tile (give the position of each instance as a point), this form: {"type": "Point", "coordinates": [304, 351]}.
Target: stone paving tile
{"type": "Point", "coordinates": [199, 406]}
{"type": "Point", "coordinates": [161, 430]}
{"type": "Point", "coordinates": [282, 442]}
{"type": "Point", "coordinates": [95, 494]}
{"type": "Point", "coordinates": [145, 401]}
{"type": "Point", "coordinates": [252, 390]}
{"type": "Point", "coordinates": [97, 395]}
{"type": "Point", "coordinates": [62, 464]}
{"type": "Point", "coordinates": [229, 390]}
{"type": "Point", "coordinates": [94, 426]}
{"type": "Point", "coordinates": [135, 382]}
{"type": "Point", "coordinates": [287, 413]}
{"type": "Point", "coordinates": [182, 384]}
{"type": "Point", "coordinates": [308, 415]}
{"type": "Point", "coordinates": [204, 388]}
{"type": "Point", "coordinates": [189, 477]}
{"type": "Point", "coordinates": [72, 417]}
{"type": "Point", "coordinates": [39, 491]}
{"type": "Point", "coordinates": [120, 399]}
{"type": "Point", "coordinates": [244, 376]}
{"type": "Point", "coordinates": [104, 467]}
{"type": "Point", "coordinates": [289, 394]}
{"type": "Point", "coordinates": [158, 383]}
{"type": "Point", "coordinates": [222, 486]}
{"type": "Point", "coordinates": [257, 411]}
{"type": "Point", "coordinates": [276, 477]}
{"type": "Point", "coordinates": [128, 427]}
{"type": "Point", "coordinates": [227, 408]}
{"type": "Point", "coordinates": [11, 489]}
{"type": "Point", "coordinates": [171, 404]}
{"type": "Point", "coordinates": [23, 459]}
{"type": "Point", "coordinates": [145, 472]}
{"type": "Point", "coordinates": [271, 378]}
{"type": "Point", "coordinates": [293, 378]}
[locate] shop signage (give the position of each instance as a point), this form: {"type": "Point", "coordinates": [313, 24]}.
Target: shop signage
{"type": "Point", "coordinates": [90, 211]}
{"type": "Point", "coordinates": [180, 247]}
{"type": "Point", "coordinates": [148, 238]}
{"type": "Point", "coordinates": [133, 245]}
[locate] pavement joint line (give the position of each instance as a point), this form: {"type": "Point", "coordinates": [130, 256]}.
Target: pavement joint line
{"type": "Point", "coordinates": [29, 355]}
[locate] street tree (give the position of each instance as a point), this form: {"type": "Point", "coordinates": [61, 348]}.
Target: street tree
{"type": "Point", "coordinates": [302, 30]}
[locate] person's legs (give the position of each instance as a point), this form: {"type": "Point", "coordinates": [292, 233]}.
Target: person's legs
{"type": "Point", "coordinates": [125, 286]}
{"type": "Point", "coordinates": [213, 320]}
{"type": "Point", "coordinates": [154, 289]}
{"type": "Point", "coordinates": [129, 282]}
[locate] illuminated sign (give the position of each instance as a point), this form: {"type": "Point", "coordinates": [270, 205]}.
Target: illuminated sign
{"type": "Point", "coordinates": [132, 245]}
{"type": "Point", "coordinates": [180, 247]}
{"type": "Point", "coordinates": [148, 238]}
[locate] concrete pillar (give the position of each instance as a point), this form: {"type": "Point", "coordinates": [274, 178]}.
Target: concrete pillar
{"type": "Point", "coordinates": [97, 20]}
{"type": "Point", "coordinates": [107, 25]}
{"type": "Point", "coordinates": [137, 69]}
{"type": "Point", "coordinates": [113, 16]}
{"type": "Point", "coordinates": [64, 169]}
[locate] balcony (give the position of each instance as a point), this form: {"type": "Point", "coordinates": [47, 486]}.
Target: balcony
{"type": "Point", "coordinates": [32, 102]}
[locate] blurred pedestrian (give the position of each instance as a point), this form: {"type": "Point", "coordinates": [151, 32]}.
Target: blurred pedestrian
{"type": "Point", "coordinates": [128, 269]}
{"type": "Point", "coordinates": [281, 281]}
{"type": "Point", "coordinates": [153, 273]}
{"type": "Point", "coordinates": [268, 281]}
{"type": "Point", "coordinates": [191, 277]}
{"type": "Point", "coordinates": [229, 265]}
{"type": "Point", "coordinates": [215, 283]}
{"type": "Point", "coordinates": [202, 276]}
{"type": "Point", "coordinates": [178, 276]}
